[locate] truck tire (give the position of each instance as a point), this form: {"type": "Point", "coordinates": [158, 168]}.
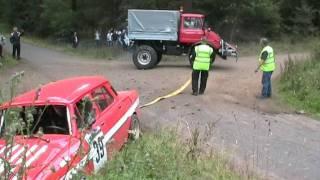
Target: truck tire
{"type": "Point", "coordinates": [159, 58]}
{"type": "Point", "coordinates": [145, 57]}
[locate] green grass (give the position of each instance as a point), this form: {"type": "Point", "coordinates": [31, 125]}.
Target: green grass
{"type": "Point", "coordinates": [7, 62]}
{"type": "Point", "coordinates": [285, 45]}
{"type": "Point", "coordinates": [161, 155]}
{"type": "Point", "coordinates": [86, 48]}
{"type": "Point", "coordinates": [299, 84]}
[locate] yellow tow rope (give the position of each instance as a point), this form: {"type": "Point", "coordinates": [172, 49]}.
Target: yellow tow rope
{"type": "Point", "coordinates": [174, 93]}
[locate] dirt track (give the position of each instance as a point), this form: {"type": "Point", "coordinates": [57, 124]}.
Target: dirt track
{"type": "Point", "coordinates": [260, 134]}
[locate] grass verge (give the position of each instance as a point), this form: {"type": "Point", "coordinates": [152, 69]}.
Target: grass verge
{"type": "Point", "coordinates": [86, 48]}
{"type": "Point", "coordinates": [7, 61]}
{"type": "Point", "coordinates": [162, 156]}
{"type": "Point", "coordinates": [285, 45]}
{"type": "Point", "coordinates": [299, 84]}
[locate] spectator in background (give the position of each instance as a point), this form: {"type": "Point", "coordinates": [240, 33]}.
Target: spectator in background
{"type": "Point", "coordinates": [122, 38]}
{"type": "Point", "coordinates": [119, 38]}
{"type": "Point", "coordinates": [2, 43]}
{"type": "Point", "coordinates": [109, 39]}
{"type": "Point", "coordinates": [75, 40]}
{"type": "Point", "coordinates": [15, 41]}
{"type": "Point", "coordinates": [114, 37]}
{"type": "Point", "coordinates": [97, 38]}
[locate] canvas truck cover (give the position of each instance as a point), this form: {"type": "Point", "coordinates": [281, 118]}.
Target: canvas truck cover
{"type": "Point", "coordinates": [153, 25]}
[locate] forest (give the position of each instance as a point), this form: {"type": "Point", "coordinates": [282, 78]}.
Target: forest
{"type": "Point", "coordinates": [235, 20]}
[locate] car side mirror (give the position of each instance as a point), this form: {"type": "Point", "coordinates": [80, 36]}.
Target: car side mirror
{"type": "Point", "coordinates": [89, 113]}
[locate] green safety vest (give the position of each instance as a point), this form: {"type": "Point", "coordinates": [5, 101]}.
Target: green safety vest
{"type": "Point", "coordinates": [270, 63]}
{"type": "Point", "coordinates": [202, 60]}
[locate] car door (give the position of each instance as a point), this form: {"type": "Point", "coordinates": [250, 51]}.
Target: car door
{"type": "Point", "coordinates": [111, 116]}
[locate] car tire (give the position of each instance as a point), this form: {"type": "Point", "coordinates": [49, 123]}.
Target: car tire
{"type": "Point", "coordinates": [135, 130]}
{"type": "Point", "coordinates": [145, 57]}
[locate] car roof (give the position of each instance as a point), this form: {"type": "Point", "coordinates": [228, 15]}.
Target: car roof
{"type": "Point", "coordinates": [60, 92]}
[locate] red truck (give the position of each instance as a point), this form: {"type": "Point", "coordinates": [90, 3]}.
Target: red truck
{"type": "Point", "coordinates": [158, 32]}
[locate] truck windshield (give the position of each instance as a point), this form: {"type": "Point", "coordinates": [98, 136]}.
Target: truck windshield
{"type": "Point", "coordinates": [23, 120]}
{"type": "Point", "coordinates": [193, 23]}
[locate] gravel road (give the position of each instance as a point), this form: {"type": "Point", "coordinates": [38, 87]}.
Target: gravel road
{"type": "Point", "coordinates": [259, 134]}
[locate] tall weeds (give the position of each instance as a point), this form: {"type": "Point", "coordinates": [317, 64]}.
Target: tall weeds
{"type": "Point", "coordinates": [300, 82]}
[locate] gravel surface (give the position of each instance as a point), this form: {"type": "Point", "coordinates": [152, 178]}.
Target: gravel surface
{"type": "Point", "coordinates": [260, 135]}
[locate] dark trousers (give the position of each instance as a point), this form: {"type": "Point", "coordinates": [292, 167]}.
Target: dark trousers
{"type": "Point", "coordinates": [16, 51]}
{"type": "Point", "coordinates": [1, 55]}
{"type": "Point", "coordinates": [201, 76]}
{"type": "Point", "coordinates": [266, 84]}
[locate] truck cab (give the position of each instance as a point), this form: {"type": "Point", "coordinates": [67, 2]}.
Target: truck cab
{"type": "Point", "coordinates": [191, 28]}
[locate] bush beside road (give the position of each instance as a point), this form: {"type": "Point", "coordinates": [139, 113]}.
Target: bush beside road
{"type": "Point", "coordinates": [160, 155]}
{"type": "Point", "coordinates": [299, 85]}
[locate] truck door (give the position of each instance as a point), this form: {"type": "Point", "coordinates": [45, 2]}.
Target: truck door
{"type": "Point", "coordinates": [191, 29]}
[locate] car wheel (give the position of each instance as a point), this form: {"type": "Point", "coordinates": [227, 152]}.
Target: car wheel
{"type": "Point", "coordinates": [135, 131]}
{"type": "Point", "coordinates": [145, 57]}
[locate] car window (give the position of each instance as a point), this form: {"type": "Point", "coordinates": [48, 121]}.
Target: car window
{"type": "Point", "coordinates": [102, 97]}
{"type": "Point", "coordinates": [193, 23]}
{"type": "Point", "coordinates": [50, 119]}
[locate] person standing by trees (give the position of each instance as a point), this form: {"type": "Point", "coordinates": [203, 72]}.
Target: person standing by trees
{"type": "Point", "coordinates": [75, 40]}
{"type": "Point", "coordinates": [2, 43]}
{"type": "Point", "coordinates": [97, 38]}
{"type": "Point", "coordinates": [15, 41]}
{"type": "Point", "coordinates": [202, 57]}
{"type": "Point", "coordinates": [109, 39]}
{"type": "Point", "coordinates": [267, 65]}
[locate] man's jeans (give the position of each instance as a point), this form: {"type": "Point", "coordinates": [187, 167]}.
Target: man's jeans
{"type": "Point", "coordinates": [266, 84]}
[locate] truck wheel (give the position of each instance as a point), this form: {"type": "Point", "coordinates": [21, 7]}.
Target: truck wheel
{"type": "Point", "coordinates": [134, 131]}
{"type": "Point", "coordinates": [145, 57]}
{"type": "Point", "coordinates": [159, 58]}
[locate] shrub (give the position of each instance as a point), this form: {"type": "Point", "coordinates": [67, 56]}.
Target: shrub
{"type": "Point", "coordinates": [300, 82]}
{"type": "Point", "coordinates": [162, 156]}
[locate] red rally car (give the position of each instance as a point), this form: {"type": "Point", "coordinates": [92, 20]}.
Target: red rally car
{"type": "Point", "coordinates": [66, 127]}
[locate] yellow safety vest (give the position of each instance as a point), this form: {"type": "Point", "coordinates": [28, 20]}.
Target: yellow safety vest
{"type": "Point", "coordinates": [202, 60]}
{"type": "Point", "coordinates": [270, 63]}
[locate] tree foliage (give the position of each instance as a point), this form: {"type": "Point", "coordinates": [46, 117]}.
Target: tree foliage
{"type": "Point", "coordinates": [233, 19]}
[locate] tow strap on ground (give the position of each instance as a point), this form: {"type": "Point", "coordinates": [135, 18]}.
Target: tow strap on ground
{"type": "Point", "coordinates": [174, 93]}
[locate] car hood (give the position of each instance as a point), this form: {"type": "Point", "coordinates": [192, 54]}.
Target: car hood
{"type": "Point", "coordinates": [38, 153]}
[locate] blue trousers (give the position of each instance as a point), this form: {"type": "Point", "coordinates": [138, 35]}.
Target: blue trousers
{"type": "Point", "coordinates": [266, 84]}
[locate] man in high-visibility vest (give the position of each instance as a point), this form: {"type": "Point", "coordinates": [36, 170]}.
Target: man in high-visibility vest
{"type": "Point", "coordinates": [202, 57]}
{"type": "Point", "coordinates": [267, 65]}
